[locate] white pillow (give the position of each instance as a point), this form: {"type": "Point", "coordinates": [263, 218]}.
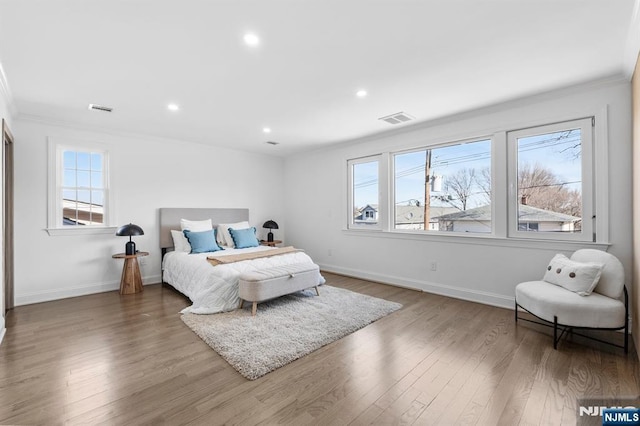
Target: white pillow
{"type": "Point", "coordinates": [180, 242]}
{"type": "Point", "coordinates": [579, 277]}
{"type": "Point", "coordinates": [224, 237]}
{"type": "Point", "coordinates": [196, 225]}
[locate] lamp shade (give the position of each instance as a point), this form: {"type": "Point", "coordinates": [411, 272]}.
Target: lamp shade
{"type": "Point", "coordinates": [131, 229]}
{"type": "Point", "coordinates": [270, 224]}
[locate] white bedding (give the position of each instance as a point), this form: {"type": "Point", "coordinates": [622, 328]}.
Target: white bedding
{"type": "Point", "coordinates": [214, 289]}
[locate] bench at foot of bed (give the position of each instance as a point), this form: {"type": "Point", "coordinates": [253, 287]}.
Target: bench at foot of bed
{"type": "Point", "coordinates": [259, 286]}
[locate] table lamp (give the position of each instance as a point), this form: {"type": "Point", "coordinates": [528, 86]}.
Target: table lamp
{"type": "Point", "coordinates": [128, 231]}
{"type": "Point", "coordinates": [270, 224]}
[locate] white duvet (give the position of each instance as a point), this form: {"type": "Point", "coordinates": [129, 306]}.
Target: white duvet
{"type": "Point", "coordinates": [214, 289]}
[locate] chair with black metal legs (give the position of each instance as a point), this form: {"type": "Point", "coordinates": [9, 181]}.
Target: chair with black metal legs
{"type": "Point", "coordinates": [562, 300]}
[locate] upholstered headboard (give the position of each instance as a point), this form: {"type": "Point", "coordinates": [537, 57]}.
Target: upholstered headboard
{"type": "Point", "coordinates": [170, 219]}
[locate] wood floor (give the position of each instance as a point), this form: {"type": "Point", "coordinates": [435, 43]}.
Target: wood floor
{"type": "Point", "coordinates": [127, 360]}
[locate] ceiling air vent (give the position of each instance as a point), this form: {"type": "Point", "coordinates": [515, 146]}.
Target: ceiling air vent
{"type": "Point", "coordinates": [272, 143]}
{"type": "Point", "coordinates": [100, 108]}
{"type": "Point", "coordinates": [397, 118]}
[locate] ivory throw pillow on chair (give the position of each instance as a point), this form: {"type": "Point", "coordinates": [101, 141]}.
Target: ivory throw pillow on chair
{"type": "Point", "coordinates": [579, 277]}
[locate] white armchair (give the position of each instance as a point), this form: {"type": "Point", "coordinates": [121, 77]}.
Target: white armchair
{"type": "Point", "coordinates": [563, 301]}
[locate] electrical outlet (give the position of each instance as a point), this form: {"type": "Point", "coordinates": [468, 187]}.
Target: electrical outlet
{"type": "Point", "coordinates": [433, 265]}
{"type": "Point", "coordinates": [329, 253]}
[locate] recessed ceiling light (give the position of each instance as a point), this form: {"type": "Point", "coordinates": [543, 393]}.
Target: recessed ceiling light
{"type": "Point", "coordinates": [266, 130]}
{"type": "Point", "coordinates": [173, 107]}
{"type": "Point", "coordinates": [361, 93]}
{"type": "Point", "coordinates": [251, 39]}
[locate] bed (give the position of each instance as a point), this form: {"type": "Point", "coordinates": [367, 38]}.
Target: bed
{"type": "Point", "coordinates": [213, 289]}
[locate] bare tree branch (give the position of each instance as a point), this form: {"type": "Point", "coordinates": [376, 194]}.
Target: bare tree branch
{"type": "Point", "coordinates": [483, 180]}
{"type": "Point", "coordinates": [461, 184]}
{"type": "Point", "coordinates": [540, 187]}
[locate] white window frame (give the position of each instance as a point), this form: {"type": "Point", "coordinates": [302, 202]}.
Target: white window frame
{"type": "Point", "coordinates": [55, 181]}
{"type": "Point", "coordinates": [382, 182]}
{"type": "Point", "coordinates": [587, 163]}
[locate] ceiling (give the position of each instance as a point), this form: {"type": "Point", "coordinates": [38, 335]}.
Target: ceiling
{"type": "Point", "coordinates": [426, 58]}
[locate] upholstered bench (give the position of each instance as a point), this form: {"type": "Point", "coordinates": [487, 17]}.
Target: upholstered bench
{"type": "Point", "coordinates": [262, 285]}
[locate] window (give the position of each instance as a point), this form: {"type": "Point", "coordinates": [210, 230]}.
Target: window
{"type": "Point", "coordinates": [537, 183]}
{"type": "Point", "coordinates": [527, 226]}
{"type": "Point", "coordinates": [364, 193]}
{"type": "Point", "coordinates": [79, 188]}
{"type": "Point", "coordinates": [552, 172]}
{"type": "Point", "coordinates": [446, 188]}
{"type": "Point", "coordinates": [82, 188]}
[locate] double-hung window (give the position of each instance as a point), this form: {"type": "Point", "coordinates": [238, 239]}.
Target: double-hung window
{"type": "Point", "coordinates": [78, 189]}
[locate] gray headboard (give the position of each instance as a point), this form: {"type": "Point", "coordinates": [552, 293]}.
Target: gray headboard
{"type": "Point", "coordinates": [170, 219]}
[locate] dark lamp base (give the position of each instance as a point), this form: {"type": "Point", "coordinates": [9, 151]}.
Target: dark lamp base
{"type": "Point", "coordinates": [130, 248]}
{"type": "Point", "coordinates": [270, 237]}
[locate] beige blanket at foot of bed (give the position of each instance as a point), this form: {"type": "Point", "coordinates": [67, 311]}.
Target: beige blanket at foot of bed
{"type": "Point", "coordinates": [219, 260]}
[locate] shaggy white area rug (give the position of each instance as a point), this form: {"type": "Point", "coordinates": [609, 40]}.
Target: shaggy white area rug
{"type": "Point", "coordinates": [286, 328]}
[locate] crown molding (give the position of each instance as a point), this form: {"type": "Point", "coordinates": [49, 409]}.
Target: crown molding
{"type": "Point", "coordinates": [122, 134]}
{"type": "Point", "coordinates": [92, 128]}
{"type": "Point", "coordinates": [632, 47]}
{"type": "Point", "coordinates": [6, 93]}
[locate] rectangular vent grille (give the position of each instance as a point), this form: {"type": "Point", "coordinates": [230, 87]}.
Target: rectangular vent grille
{"type": "Point", "coordinates": [100, 108]}
{"type": "Point", "coordinates": [397, 118]}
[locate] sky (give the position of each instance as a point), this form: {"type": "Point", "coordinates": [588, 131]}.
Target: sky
{"type": "Point", "coordinates": [445, 161]}
{"type": "Point", "coordinates": [557, 152]}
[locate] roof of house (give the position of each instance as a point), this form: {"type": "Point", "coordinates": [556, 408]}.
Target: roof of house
{"type": "Point", "coordinates": [525, 214]}
{"type": "Point", "coordinates": [415, 214]}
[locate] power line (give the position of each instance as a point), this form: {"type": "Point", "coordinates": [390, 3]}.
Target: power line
{"type": "Point", "coordinates": [562, 139]}
{"type": "Point", "coordinates": [549, 184]}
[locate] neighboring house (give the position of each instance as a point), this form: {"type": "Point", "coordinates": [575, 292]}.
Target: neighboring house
{"type": "Point", "coordinates": [367, 215]}
{"type": "Point", "coordinates": [529, 219]}
{"type": "Point", "coordinates": [81, 213]}
{"type": "Point", "coordinates": [412, 217]}
{"type": "Point", "coordinates": [407, 217]}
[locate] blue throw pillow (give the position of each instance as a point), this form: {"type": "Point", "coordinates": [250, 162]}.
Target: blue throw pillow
{"type": "Point", "coordinates": [202, 242]}
{"type": "Point", "coordinates": [244, 238]}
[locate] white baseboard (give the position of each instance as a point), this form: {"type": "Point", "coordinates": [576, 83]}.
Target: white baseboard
{"type": "Point", "coordinates": [427, 286]}
{"type": "Point", "coordinates": [484, 297]}
{"type": "Point", "coordinates": [46, 296]}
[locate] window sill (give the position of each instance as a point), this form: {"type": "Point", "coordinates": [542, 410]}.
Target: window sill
{"type": "Point", "coordinates": [479, 239]}
{"type": "Point", "coordinates": [90, 230]}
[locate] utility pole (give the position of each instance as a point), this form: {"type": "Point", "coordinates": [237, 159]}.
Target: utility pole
{"type": "Point", "coordinates": [427, 190]}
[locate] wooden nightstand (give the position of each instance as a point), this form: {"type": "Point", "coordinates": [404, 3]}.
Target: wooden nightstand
{"type": "Point", "coordinates": [131, 281]}
{"type": "Point", "coordinates": [270, 243]}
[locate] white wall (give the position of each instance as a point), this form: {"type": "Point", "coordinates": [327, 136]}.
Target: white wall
{"type": "Point", "coordinates": [146, 174]}
{"type": "Point", "coordinates": [469, 268]}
